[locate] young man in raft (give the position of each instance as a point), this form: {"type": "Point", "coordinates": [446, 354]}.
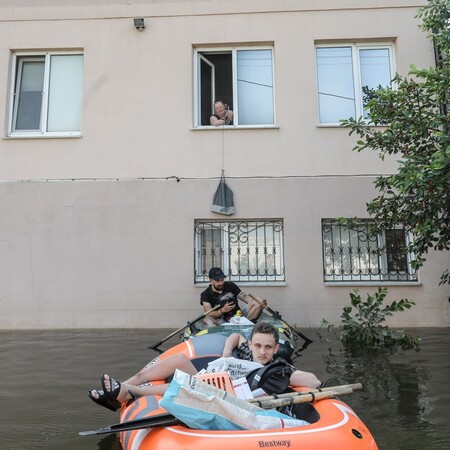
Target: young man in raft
{"type": "Point", "coordinates": [261, 347]}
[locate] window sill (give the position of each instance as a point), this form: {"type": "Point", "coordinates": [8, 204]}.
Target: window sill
{"type": "Point", "coordinates": [338, 125]}
{"type": "Point", "coordinates": [237, 127]}
{"type": "Point", "coordinates": [371, 283]}
{"type": "Point", "coordinates": [43, 136]}
{"type": "Point", "coordinates": [247, 283]}
{"type": "Point", "coordinates": [329, 125]}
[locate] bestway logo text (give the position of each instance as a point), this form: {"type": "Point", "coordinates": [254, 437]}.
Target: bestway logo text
{"type": "Point", "coordinates": [274, 443]}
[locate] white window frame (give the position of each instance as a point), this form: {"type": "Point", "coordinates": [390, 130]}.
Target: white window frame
{"type": "Point", "coordinates": [197, 57]}
{"type": "Point", "coordinates": [213, 84]}
{"type": "Point", "coordinates": [356, 48]}
{"type": "Point", "coordinates": [42, 132]}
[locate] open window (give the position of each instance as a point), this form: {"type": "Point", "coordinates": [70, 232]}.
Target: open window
{"type": "Point", "coordinates": [240, 77]}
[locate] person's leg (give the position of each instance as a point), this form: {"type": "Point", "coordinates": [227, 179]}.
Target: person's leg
{"type": "Point", "coordinates": [126, 392]}
{"type": "Point", "coordinates": [162, 370]}
{"type": "Point", "coordinates": [253, 309]}
{"type": "Point", "coordinates": [210, 322]}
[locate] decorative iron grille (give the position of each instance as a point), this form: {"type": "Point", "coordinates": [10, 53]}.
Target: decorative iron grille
{"type": "Point", "coordinates": [246, 250]}
{"type": "Point", "coordinates": [356, 254]}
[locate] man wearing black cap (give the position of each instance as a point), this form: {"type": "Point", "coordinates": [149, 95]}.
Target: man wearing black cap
{"type": "Point", "coordinates": [226, 293]}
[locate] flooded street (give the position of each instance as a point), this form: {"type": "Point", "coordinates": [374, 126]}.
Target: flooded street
{"type": "Point", "coordinates": [46, 374]}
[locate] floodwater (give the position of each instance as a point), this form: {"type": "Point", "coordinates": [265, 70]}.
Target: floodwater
{"type": "Point", "coordinates": [45, 376]}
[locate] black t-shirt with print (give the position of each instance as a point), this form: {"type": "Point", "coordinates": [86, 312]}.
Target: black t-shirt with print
{"type": "Point", "coordinates": [229, 294]}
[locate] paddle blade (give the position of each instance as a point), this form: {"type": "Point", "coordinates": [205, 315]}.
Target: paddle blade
{"type": "Point", "coordinates": [161, 420]}
{"type": "Point", "coordinates": [155, 347]}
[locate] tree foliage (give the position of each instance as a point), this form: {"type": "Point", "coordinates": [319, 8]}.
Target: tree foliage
{"type": "Point", "coordinates": [412, 119]}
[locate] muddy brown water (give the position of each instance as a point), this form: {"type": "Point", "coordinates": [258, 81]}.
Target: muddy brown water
{"type": "Point", "coordinates": [45, 376]}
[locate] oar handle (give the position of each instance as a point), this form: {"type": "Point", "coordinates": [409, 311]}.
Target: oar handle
{"type": "Point", "coordinates": [155, 346]}
{"type": "Point", "coordinates": [307, 397]}
{"type": "Point", "coordinates": [354, 386]}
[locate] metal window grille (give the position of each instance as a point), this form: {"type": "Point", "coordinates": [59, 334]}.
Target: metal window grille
{"type": "Point", "coordinates": [356, 254]}
{"type": "Point", "coordinates": [246, 250]}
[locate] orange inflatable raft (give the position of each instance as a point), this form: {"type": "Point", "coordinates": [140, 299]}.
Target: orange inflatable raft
{"type": "Point", "coordinates": [333, 424]}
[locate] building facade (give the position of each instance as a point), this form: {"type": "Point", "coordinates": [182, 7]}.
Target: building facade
{"type": "Point", "coordinates": [108, 163]}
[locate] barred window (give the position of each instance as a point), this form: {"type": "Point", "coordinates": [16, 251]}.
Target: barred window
{"type": "Point", "coordinates": [356, 254]}
{"type": "Point", "coordinates": [246, 250]}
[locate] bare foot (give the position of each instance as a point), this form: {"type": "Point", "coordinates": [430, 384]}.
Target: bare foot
{"type": "Point", "coordinates": [95, 394]}
{"type": "Point", "coordinates": [115, 389]}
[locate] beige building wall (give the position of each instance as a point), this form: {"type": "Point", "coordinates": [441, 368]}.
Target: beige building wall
{"type": "Point", "coordinates": [94, 233]}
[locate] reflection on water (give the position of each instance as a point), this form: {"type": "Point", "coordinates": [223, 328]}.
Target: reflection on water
{"type": "Point", "coordinates": [405, 402]}
{"type": "Point", "coordinates": [46, 374]}
{"type": "Point", "coordinates": [109, 442]}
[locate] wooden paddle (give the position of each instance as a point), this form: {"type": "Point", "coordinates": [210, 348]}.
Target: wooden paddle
{"type": "Point", "coordinates": [308, 397]}
{"type": "Point", "coordinates": [155, 346]}
{"type": "Point", "coordinates": [277, 315]}
{"type": "Point", "coordinates": [291, 398]}
{"type": "Point", "coordinates": [354, 387]}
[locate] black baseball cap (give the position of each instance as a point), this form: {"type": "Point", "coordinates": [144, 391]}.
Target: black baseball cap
{"type": "Point", "coordinates": [216, 273]}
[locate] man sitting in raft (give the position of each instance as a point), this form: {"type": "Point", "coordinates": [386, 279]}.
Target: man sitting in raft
{"type": "Point", "coordinates": [261, 347]}
{"type": "Point", "coordinates": [226, 294]}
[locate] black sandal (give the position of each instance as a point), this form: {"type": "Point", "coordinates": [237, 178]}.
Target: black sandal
{"type": "Point", "coordinates": [114, 386]}
{"type": "Point", "coordinates": [103, 400]}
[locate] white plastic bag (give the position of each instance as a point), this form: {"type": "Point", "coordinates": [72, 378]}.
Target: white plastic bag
{"type": "Point", "coordinates": [204, 407]}
{"type": "Point", "coordinates": [236, 368]}
{"type": "Point", "coordinates": [239, 320]}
